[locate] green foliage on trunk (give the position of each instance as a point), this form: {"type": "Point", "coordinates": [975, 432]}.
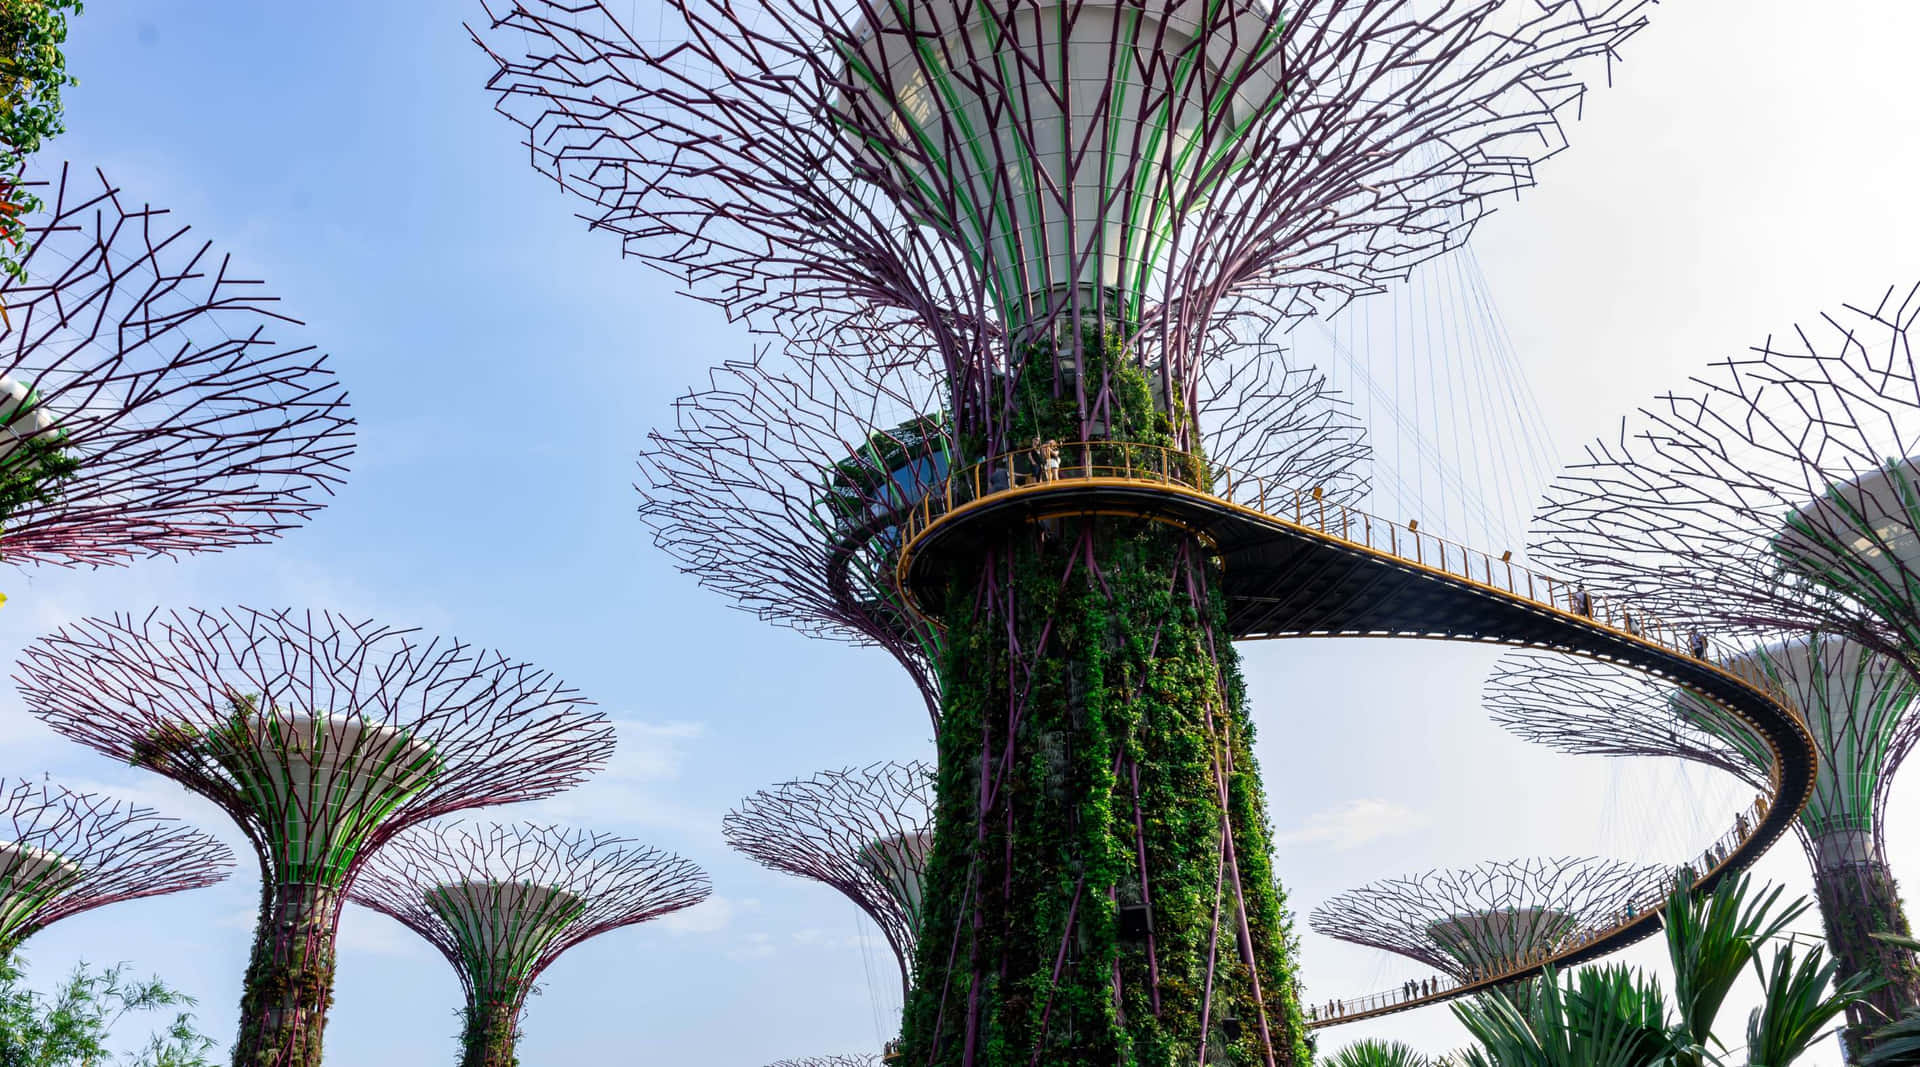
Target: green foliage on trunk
{"type": "Point", "coordinates": [289, 984]}
{"type": "Point", "coordinates": [1104, 639]}
{"type": "Point", "coordinates": [490, 1027]}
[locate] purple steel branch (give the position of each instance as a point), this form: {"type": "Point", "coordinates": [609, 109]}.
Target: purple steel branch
{"type": "Point", "coordinates": [1546, 902]}
{"type": "Point", "coordinates": [322, 737]}
{"type": "Point", "coordinates": [1687, 507]}
{"type": "Point", "coordinates": [601, 883]}
{"type": "Point", "coordinates": [119, 851]}
{"type": "Point", "coordinates": [195, 426]}
{"type": "Point", "coordinates": [746, 159]}
{"type": "Point", "coordinates": [734, 492]}
{"type": "Point", "coordinates": [819, 828]}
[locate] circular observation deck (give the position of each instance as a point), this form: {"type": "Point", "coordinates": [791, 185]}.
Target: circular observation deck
{"type": "Point", "coordinates": [1296, 565]}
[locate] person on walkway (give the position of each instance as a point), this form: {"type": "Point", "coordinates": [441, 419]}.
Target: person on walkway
{"type": "Point", "coordinates": [1050, 460]}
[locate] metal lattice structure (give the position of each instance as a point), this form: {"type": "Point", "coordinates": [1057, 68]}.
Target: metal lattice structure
{"type": "Point", "coordinates": [63, 852]}
{"type": "Point", "coordinates": [830, 1061]}
{"type": "Point", "coordinates": [865, 833]}
{"type": "Point", "coordinates": [1859, 706]}
{"type": "Point", "coordinates": [149, 402]}
{"type": "Point", "coordinates": [783, 484]}
{"type": "Point", "coordinates": [321, 737]}
{"type": "Point", "coordinates": [785, 162]}
{"type": "Point", "coordinates": [501, 903]}
{"type": "Point", "coordinates": [1774, 495]}
{"type": "Point", "coordinates": [1493, 918]}
{"type": "Point", "coordinates": [1054, 212]}
{"type": "Point", "coordinates": [1774, 492]}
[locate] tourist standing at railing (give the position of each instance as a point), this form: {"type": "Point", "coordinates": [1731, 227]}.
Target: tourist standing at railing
{"type": "Point", "coordinates": [1050, 460]}
{"type": "Point", "coordinates": [1697, 645]}
{"type": "Point", "coordinates": [1582, 601]}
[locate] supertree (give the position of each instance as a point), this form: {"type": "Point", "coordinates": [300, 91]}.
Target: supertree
{"type": "Point", "coordinates": [783, 484]}
{"type": "Point", "coordinates": [864, 833]}
{"type": "Point", "coordinates": [1053, 206]}
{"type": "Point", "coordinates": [148, 404]}
{"type": "Point", "coordinates": [322, 737]}
{"type": "Point", "coordinates": [503, 902]}
{"type": "Point", "coordinates": [1858, 704]}
{"type": "Point", "coordinates": [63, 852]}
{"type": "Point", "coordinates": [830, 1061]}
{"type": "Point", "coordinates": [1773, 497]}
{"type": "Point", "coordinates": [1494, 918]}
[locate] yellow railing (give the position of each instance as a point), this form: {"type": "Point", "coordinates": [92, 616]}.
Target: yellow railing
{"type": "Point", "coordinates": [1034, 469]}
{"type": "Point", "coordinates": [1651, 899]}
{"type": "Point", "coordinates": [1038, 469]}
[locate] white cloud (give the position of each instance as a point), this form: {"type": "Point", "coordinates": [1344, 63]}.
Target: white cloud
{"type": "Point", "coordinates": [1356, 823]}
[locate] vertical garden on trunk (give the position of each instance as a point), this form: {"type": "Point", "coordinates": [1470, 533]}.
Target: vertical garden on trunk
{"type": "Point", "coordinates": [1100, 889]}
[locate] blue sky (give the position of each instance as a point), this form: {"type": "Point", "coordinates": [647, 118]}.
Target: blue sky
{"type": "Point", "coordinates": [1748, 168]}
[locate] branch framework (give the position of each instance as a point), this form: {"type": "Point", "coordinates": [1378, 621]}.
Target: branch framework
{"type": "Point", "coordinates": [63, 852]}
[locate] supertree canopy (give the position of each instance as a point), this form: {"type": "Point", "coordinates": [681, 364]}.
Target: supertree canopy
{"type": "Point", "coordinates": [926, 170]}
{"type": "Point", "coordinates": [1859, 705]}
{"type": "Point", "coordinates": [784, 483]}
{"type": "Point", "coordinates": [63, 852]}
{"type": "Point", "coordinates": [830, 1061]}
{"type": "Point", "coordinates": [865, 833]}
{"type": "Point", "coordinates": [149, 404]}
{"type": "Point", "coordinates": [1772, 496]}
{"type": "Point", "coordinates": [322, 737]}
{"type": "Point", "coordinates": [1773, 492]}
{"type": "Point", "coordinates": [1490, 919]}
{"type": "Point", "coordinates": [503, 902]}
{"type": "Point", "coordinates": [1053, 209]}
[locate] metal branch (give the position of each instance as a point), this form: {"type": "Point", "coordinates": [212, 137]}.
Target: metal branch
{"type": "Point", "coordinates": [862, 832]}
{"type": "Point", "coordinates": [784, 483]}
{"type": "Point", "coordinates": [1772, 493]}
{"type": "Point", "coordinates": [782, 164]}
{"type": "Point", "coordinates": [149, 402]}
{"type": "Point", "coordinates": [501, 903]}
{"type": "Point", "coordinates": [322, 737]}
{"type": "Point", "coordinates": [63, 852]}
{"type": "Point", "coordinates": [1492, 918]}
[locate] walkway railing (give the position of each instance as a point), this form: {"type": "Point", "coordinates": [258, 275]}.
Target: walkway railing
{"type": "Point", "coordinates": [1651, 899]}
{"type": "Point", "coordinates": [1038, 470]}
{"type": "Point", "coordinates": [1034, 469]}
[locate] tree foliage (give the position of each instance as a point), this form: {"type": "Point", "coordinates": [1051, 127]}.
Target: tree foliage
{"type": "Point", "coordinates": [33, 70]}
{"type": "Point", "coordinates": [74, 1025]}
{"type": "Point", "coordinates": [1617, 1017]}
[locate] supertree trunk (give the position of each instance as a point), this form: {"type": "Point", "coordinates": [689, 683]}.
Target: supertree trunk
{"type": "Point", "coordinates": [289, 987]}
{"type": "Point", "coordinates": [1100, 889]}
{"type": "Point", "coordinates": [1859, 898]}
{"type": "Point", "coordinates": [491, 1029]}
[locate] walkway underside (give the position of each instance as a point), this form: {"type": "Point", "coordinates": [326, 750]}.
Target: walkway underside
{"type": "Point", "coordinates": [1296, 568]}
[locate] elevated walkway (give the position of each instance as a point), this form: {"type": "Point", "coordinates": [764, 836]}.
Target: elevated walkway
{"type": "Point", "coordinates": [1298, 565]}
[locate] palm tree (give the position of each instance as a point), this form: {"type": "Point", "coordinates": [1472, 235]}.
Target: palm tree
{"type": "Point", "coordinates": [1614, 1016]}
{"type": "Point", "coordinates": [1373, 1052]}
